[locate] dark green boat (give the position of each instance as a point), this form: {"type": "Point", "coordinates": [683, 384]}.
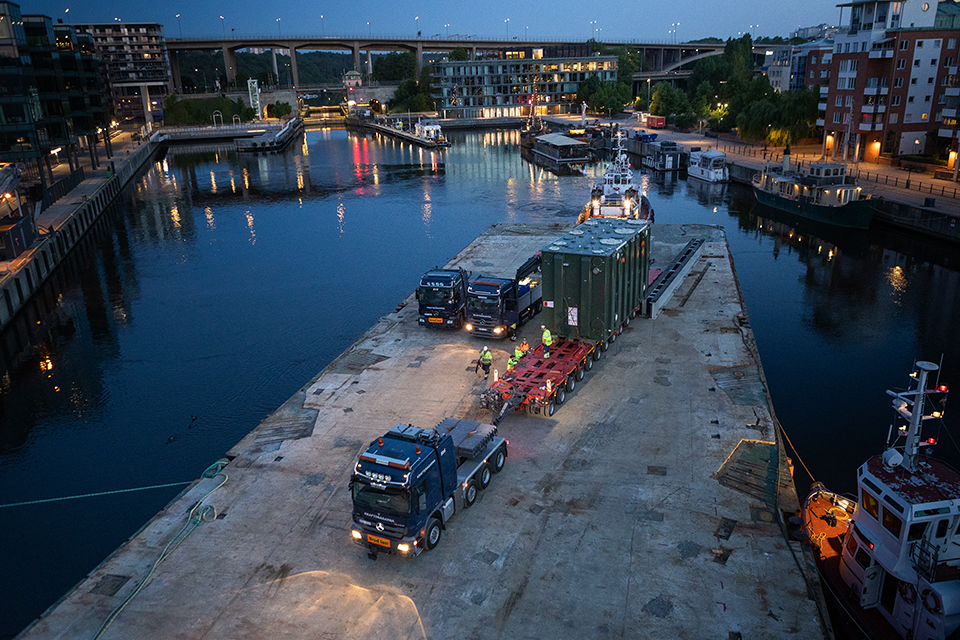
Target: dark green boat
{"type": "Point", "coordinates": [824, 192]}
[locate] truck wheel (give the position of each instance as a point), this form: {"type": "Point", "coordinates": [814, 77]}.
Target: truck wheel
{"type": "Point", "coordinates": [560, 395]}
{"type": "Point", "coordinates": [499, 459]}
{"type": "Point", "coordinates": [434, 530]}
{"type": "Point", "coordinates": [580, 371]}
{"type": "Point", "coordinates": [458, 323]}
{"type": "Point", "coordinates": [484, 477]}
{"type": "Point", "coordinates": [551, 408]}
{"type": "Point", "coordinates": [470, 494]}
{"type": "Point", "coordinates": [572, 381]}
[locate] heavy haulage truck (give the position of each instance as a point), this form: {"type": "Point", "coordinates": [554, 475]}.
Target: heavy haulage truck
{"type": "Point", "coordinates": [442, 297]}
{"type": "Point", "coordinates": [595, 278]}
{"type": "Point", "coordinates": [497, 306]}
{"type": "Point", "coordinates": [409, 483]}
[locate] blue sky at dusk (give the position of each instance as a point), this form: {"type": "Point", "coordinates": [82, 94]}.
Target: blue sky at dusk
{"type": "Point", "coordinates": [561, 19]}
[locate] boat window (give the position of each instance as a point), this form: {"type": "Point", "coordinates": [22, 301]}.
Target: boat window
{"type": "Point", "coordinates": [863, 559]}
{"type": "Point", "coordinates": [942, 528]}
{"type": "Point", "coordinates": [893, 503]}
{"type": "Point", "coordinates": [871, 505]}
{"type": "Point", "coordinates": [851, 545]}
{"type": "Point", "coordinates": [917, 529]}
{"type": "Point", "coordinates": [892, 523]}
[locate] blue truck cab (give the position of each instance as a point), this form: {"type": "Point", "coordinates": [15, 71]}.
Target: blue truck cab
{"type": "Point", "coordinates": [497, 306]}
{"type": "Point", "coordinates": [409, 483]}
{"type": "Point", "coordinates": [442, 297]}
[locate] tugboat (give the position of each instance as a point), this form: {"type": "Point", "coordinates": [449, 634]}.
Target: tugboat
{"type": "Point", "coordinates": [618, 196]}
{"type": "Point", "coordinates": [891, 557]}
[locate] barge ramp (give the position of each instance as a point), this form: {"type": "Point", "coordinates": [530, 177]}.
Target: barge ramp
{"type": "Point", "coordinates": [649, 506]}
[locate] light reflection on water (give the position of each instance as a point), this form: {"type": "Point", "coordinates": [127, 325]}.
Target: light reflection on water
{"type": "Point", "coordinates": [225, 282]}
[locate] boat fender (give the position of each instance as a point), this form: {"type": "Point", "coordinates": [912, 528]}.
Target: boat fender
{"type": "Point", "coordinates": [931, 601]}
{"type": "Point", "coordinates": [908, 593]}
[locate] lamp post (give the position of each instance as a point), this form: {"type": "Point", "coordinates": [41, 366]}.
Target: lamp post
{"type": "Point", "coordinates": [279, 33]}
{"type": "Point", "coordinates": [418, 25]}
{"type": "Point", "coordinates": [447, 27]}
{"type": "Point", "coordinates": [369, 31]}
{"type": "Point", "coordinates": [178, 25]}
{"type": "Point", "coordinates": [322, 31]}
{"type": "Point", "coordinates": [223, 26]}
{"type": "Point", "coordinates": [507, 22]}
{"type": "Point", "coordinates": [525, 32]}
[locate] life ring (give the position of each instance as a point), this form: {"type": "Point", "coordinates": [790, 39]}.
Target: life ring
{"type": "Point", "coordinates": [931, 601]}
{"type": "Point", "coordinates": [908, 593]}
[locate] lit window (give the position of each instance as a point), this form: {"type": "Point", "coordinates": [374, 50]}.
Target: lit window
{"type": "Point", "coordinates": [871, 505]}
{"type": "Point", "coordinates": [890, 521]}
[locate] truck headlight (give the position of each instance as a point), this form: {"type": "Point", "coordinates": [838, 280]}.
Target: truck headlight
{"type": "Point", "coordinates": [469, 327]}
{"type": "Point", "coordinates": [498, 330]}
{"type": "Point", "coordinates": [403, 548]}
{"type": "Point", "coordinates": [356, 534]}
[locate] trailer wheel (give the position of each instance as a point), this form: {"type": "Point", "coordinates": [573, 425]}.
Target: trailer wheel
{"type": "Point", "coordinates": [499, 459]}
{"type": "Point", "coordinates": [572, 381]}
{"type": "Point", "coordinates": [588, 363]}
{"type": "Point", "coordinates": [484, 477]}
{"type": "Point", "coordinates": [613, 337]}
{"type": "Point", "coordinates": [551, 408]}
{"type": "Point", "coordinates": [470, 494]}
{"type": "Point", "coordinates": [580, 371]}
{"type": "Point", "coordinates": [559, 396]}
{"type": "Point", "coordinates": [605, 345]}
{"type": "Point", "coordinates": [434, 530]}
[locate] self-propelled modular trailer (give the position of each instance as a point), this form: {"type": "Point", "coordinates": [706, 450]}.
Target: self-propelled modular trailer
{"type": "Point", "coordinates": [409, 483]}
{"type": "Point", "coordinates": [595, 278]}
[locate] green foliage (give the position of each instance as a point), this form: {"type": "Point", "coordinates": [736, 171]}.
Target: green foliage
{"type": "Point", "coordinates": [412, 96]}
{"type": "Point", "coordinates": [201, 68]}
{"type": "Point", "coordinates": [459, 55]}
{"type": "Point", "coordinates": [595, 46]}
{"type": "Point", "coordinates": [587, 88]}
{"type": "Point", "coordinates": [395, 66]}
{"type": "Point", "coordinates": [628, 63]}
{"type": "Point", "coordinates": [179, 111]}
{"type": "Point", "coordinates": [278, 109]}
{"type": "Point", "coordinates": [779, 118]}
{"type": "Point", "coordinates": [668, 101]}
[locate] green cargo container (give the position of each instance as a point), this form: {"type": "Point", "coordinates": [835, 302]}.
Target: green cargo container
{"type": "Point", "coordinates": [595, 277]}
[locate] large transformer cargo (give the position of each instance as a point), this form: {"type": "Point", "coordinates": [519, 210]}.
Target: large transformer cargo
{"type": "Point", "coordinates": [595, 278]}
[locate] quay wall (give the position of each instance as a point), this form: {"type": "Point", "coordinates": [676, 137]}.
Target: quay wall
{"type": "Point", "coordinates": [60, 228]}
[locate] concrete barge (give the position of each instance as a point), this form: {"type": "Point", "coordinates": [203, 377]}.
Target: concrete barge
{"type": "Point", "coordinates": [649, 506]}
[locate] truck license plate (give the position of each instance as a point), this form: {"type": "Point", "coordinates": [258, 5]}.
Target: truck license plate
{"type": "Point", "coordinates": [383, 542]}
{"type": "Point", "coordinates": [436, 320]}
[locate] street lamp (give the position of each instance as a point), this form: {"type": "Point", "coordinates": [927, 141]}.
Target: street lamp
{"type": "Point", "coordinates": [322, 31]}
{"type": "Point", "coordinates": [447, 26]}
{"type": "Point", "coordinates": [507, 22]}
{"type": "Point", "coordinates": [525, 32]}
{"type": "Point", "coordinates": [369, 32]}
{"type": "Point", "coordinates": [278, 28]}
{"type": "Point", "coordinates": [418, 25]}
{"type": "Point", "coordinates": [224, 27]}
{"type": "Point", "coordinates": [178, 25]}
{"type": "Point", "coordinates": [66, 14]}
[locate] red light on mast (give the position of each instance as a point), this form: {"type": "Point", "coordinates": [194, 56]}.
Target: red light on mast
{"type": "Point", "coordinates": [931, 441]}
{"type": "Point", "coordinates": [942, 388]}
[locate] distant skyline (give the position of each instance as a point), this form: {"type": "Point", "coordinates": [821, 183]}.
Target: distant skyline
{"type": "Point", "coordinates": [559, 20]}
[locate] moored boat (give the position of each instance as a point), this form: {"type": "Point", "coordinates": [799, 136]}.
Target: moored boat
{"type": "Point", "coordinates": [709, 165]}
{"type": "Point", "coordinates": [891, 556]}
{"type": "Point", "coordinates": [430, 132]}
{"type": "Point", "coordinates": [823, 192]}
{"type": "Point", "coordinates": [618, 194]}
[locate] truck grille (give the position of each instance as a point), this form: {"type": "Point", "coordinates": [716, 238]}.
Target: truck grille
{"type": "Point", "coordinates": [388, 530]}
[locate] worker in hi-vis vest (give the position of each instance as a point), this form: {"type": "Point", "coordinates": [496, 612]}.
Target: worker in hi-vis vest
{"type": "Point", "coordinates": [547, 340]}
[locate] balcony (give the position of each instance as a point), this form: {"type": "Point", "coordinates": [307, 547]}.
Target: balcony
{"type": "Point", "coordinates": [824, 89]}
{"type": "Point", "coordinates": [876, 91]}
{"type": "Point", "coordinates": [820, 122]}
{"type": "Point", "coordinates": [882, 53]}
{"type": "Point", "coordinates": [952, 71]}
{"type": "Point", "coordinates": [873, 108]}
{"type": "Point", "coordinates": [949, 113]}
{"type": "Point", "coordinates": [947, 133]}
{"type": "Point", "coordinates": [951, 91]}
{"type": "Point", "coordinates": [822, 106]}
{"type": "Point", "coordinates": [871, 126]}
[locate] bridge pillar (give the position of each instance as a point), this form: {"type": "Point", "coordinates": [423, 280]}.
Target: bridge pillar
{"type": "Point", "coordinates": [176, 84]}
{"type": "Point", "coordinates": [295, 79]}
{"type": "Point", "coordinates": [419, 59]}
{"type": "Point", "coordinates": [473, 53]}
{"type": "Point", "coordinates": [369, 62]}
{"type": "Point", "coordinates": [276, 72]}
{"type": "Point", "coordinates": [229, 63]}
{"type": "Point", "coordinates": [356, 56]}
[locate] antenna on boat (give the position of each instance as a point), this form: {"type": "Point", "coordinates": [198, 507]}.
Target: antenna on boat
{"type": "Point", "coordinates": [909, 404]}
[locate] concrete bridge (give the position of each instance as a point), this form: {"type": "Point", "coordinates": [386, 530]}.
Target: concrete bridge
{"type": "Point", "coordinates": [661, 57]}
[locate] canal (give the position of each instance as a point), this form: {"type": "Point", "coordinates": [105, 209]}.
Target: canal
{"type": "Point", "coordinates": [218, 285]}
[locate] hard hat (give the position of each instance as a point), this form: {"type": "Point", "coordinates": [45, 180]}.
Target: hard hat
{"type": "Point", "coordinates": [543, 326]}
{"type": "Point", "coordinates": [484, 349]}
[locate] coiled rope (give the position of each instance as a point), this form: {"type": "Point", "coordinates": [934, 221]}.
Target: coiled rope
{"type": "Point", "coordinates": [199, 514]}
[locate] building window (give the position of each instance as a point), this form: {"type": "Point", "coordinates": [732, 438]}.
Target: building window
{"type": "Point", "coordinates": [823, 73]}
{"type": "Point", "coordinates": [936, 44]}
{"type": "Point", "coordinates": [904, 44]}
{"type": "Point", "coordinates": [846, 48]}
{"type": "Point", "coordinates": [839, 101]}
{"type": "Point", "coordinates": [838, 47]}
{"type": "Point", "coordinates": [894, 117]}
{"type": "Point", "coordinates": [919, 44]}
{"type": "Point", "coordinates": [916, 62]}
{"type": "Point", "coordinates": [942, 99]}
{"type": "Point", "coordinates": [926, 98]}
{"type": "Point", "coordinates": [849, 101]}
{"type": "Point", "coordinates": [913, 81]}
{"type": "Point", "coordinates": [952, 43]}
{"type": "Point", "coordinates": [929, 80]}
{"type": "Point", "coordinates": [909, 98]}
{"type": "Point", "coordinates": [897, 83]}
{"type": "Point", "coordinates": [813, 59]}
{"type": "Point", "coordinates": [896, 101]}
{"type": "Point", "coordinates": [948, 61]}
{"type": "Point", "coordinates": [901, 64]}
{"type": "Point", "coordinates": [836, 117]}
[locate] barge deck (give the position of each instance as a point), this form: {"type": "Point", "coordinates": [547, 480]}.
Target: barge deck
{"type": "Point", "coordinates": [649, 505]}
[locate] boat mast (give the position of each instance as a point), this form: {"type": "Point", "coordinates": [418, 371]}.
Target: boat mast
{"type": "Point", "coordinates": [909, 404]}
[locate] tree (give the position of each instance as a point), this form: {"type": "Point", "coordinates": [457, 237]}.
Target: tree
{"type": "Point", "coordinates": [279, 109]}
{"type": "Point", "coordinates": [459, 55]}
{"type": "Point", "coordinates": [395, 66]}
{"type": "Point", "coordinates": [587, 88]}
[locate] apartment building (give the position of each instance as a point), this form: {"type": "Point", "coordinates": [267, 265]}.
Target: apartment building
{"type": "Point", "coordinates": [892, 85]}
{"type": "Point", "coordinates": [506, 86]}
{"type": "Point", "coordinates": [137, 67]}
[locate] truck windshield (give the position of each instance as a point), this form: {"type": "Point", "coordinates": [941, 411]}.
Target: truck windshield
{"type": "Point", "coordinates": [395, 500]}
{"type": "Point", "coordinates": [484, 305]}
{"type": "Point", "coordinates": [436, 295]}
